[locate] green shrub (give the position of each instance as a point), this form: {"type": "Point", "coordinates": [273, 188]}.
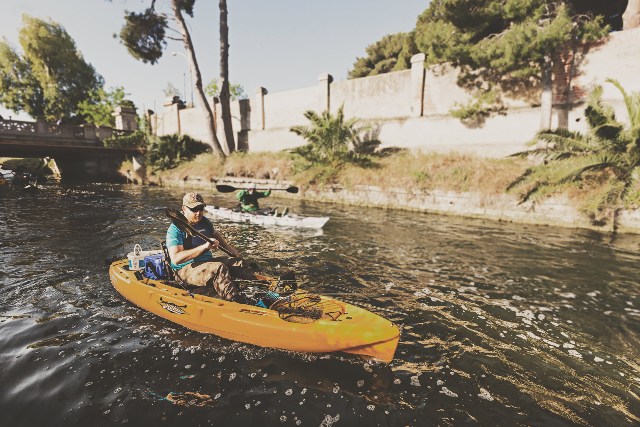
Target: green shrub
{"type": "Point", "coordinates": [478, 108]}
{"type": "Point", "coordinates": [137, 139]}
{"type": "Point", "coordinates": [334, 140]}
{"type": "Point", "coordinates": [170, 150]}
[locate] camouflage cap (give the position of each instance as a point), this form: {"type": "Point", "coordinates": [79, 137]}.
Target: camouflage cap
{"type": "Point", "coordinates": [191, 200]}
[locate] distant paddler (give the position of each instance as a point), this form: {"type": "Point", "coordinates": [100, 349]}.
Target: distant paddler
{"type": "Point", "coordinates": [249, 197]}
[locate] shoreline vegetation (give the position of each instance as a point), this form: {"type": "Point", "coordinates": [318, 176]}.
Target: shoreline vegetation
{"type": "Point", "coordinates": [453, 184]}
{"type": "Point", "coordinates": [587, 180]}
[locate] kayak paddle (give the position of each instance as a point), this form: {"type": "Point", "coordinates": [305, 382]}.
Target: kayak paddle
{"type": "Point", "coordinates": [180, 221]}
{"type": "Point", "coordinates": [230, 188]}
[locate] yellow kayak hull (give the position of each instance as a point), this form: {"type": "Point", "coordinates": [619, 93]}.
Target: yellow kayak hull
{"type": "Point", "coordinates": [342, 328]}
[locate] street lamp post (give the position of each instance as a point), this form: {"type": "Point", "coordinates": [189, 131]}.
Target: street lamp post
{"type": "Point", "coordinates": [190, 76]}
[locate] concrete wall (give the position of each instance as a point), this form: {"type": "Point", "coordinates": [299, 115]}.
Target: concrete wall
{"type": "Point", "coordinates": [285, 109]}
{"type": "Point", "coordinates": [375, 97]}
{"type": "Point", "coordinates": [410, 108]}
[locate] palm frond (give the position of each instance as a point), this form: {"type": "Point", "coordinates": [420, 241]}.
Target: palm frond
{"type": "Point", "coordinates": [577, 174]}
{"type": "Point", "coordinates": [531, 192]}
{"type": "Point", "coordinates": [535, 152]}
{"type": "Point", "coordinates": [631, 102]}
{"type": "Point", "coordinates": [522, 178]}
{"type": "Point", "coordinates": [607, 156]}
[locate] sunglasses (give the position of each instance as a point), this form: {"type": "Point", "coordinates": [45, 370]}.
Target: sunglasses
{"type": "Point", "coordinates": [198, 208]}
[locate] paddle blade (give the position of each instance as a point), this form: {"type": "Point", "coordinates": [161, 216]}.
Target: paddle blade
{"type": "Point", "coordinates": [292, 189]}
{"type": "Point", "coordinates": [222, 188]}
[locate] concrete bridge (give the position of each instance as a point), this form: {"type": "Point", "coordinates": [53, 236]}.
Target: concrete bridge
{"type": "Point", "coordinates": [78, 151]}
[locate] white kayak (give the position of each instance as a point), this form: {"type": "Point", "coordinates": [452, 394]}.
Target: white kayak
{"type": "Point", "coordinates": [7, 174]}
{"type": "Point", "coordinates": [289, 220]}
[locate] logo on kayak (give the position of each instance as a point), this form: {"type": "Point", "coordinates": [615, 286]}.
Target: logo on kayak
{"type": "Point", "coordinates": [172, 307]}
{"type": "Point", "coordinates": [258, 312]}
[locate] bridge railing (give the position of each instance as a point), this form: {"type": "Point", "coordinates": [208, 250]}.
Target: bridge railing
{"type": "Point", "coordinates": [19, 127]}
{"type": "Point", "coordinates": [40, 128]}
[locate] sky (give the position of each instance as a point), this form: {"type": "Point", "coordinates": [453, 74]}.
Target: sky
{"type": "Point", "coordinates": [276, 44]}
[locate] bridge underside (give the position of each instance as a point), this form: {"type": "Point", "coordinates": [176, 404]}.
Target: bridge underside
{"type": "Point", "coordinates": [88, 163]}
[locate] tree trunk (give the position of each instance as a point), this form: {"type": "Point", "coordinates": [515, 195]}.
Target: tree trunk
{"type": "Point", "coordinates": [225, 97]}
{"type": "Point", "coordinates": [546, 97]}
{"type": "Point", "coordinates": [631, 16]}
{"type": "Point", "coordinates": [197, 81]}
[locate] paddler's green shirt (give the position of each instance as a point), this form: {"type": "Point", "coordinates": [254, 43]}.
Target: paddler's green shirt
{"type": "Point", "coordinates": [248, 201]}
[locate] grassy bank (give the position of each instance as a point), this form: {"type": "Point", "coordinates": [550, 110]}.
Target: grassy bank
{"type": "Point", "coordinates": [453, 172]}
{"type": "Point", "coordinates": [406, 169]}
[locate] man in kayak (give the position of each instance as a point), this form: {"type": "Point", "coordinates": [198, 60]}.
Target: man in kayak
{"type": "Point", "coordinates": [191, 256]}
{"type": "Point", "coordinates": [249, 201]}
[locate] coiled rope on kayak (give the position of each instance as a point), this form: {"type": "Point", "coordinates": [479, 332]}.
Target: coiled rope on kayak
{"type": "Point", "coordinates": [305, 307]}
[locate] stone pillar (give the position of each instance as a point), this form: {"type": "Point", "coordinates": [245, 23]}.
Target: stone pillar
{"type": "Point", "coordinates": [90, 131]}
{"type": "Point", "coordinates": [42, 127]}
{"type": "Point", "coordinates": [631, 16]}
{"type": "Point", "coordinates": [325, 90]}
{"type": "Point", "coordinates": [139, 169]}
{"type": "Point", "coordinates": [418, 77]}
{"type": "Point", "coordinates": [260, 113]}
{"type": "Point", "coordinates": [216, 103]}
{"type": "Point", "coordinates": [125, 118]}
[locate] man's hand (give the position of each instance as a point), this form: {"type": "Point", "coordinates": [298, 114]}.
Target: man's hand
{"type": "Point", "coordinates": [213, 244]}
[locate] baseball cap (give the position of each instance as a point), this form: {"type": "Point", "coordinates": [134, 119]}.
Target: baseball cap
{"type": "Point", "coordinates": [191, 200]}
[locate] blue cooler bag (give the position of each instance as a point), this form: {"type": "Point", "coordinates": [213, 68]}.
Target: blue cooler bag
{"type": "Point", "coordinates": [154, 267]}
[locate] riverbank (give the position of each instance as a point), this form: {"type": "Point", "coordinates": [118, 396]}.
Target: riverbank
{"type": "Point", "coordinates": [475, 190]}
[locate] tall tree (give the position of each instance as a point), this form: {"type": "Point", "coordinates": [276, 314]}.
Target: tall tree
{"type": "Point", "coordinates": [631, 15]}
{"type": "Point", "coordinates": [144, 35]}
{"type": "Point", "coordinates": [99, 109]}
{"type": "Point", "coordinates": [236, 91]}
{"type": "Point", "coordinates": [392, 53]}
{"type": "Point", "coordinates": [225, 97]}
{"type": "Point", "coordinates": [51, 78]}
{"type": "Point", "coordinates": [506, 44]}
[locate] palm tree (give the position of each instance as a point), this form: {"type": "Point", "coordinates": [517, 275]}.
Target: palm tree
{"type": "Point", "coordinates": [609, 154]}
{"type": "Point", "coordinates": [330, 138]}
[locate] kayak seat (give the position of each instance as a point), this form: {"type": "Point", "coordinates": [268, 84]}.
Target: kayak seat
{"type": "Point", "coordinates": [171, 274]}
{"type": "Point", "coordinates": [174, 280]}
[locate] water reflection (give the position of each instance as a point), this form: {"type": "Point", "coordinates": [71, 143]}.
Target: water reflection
{"type": "Point", "coordinates": [502, 323]}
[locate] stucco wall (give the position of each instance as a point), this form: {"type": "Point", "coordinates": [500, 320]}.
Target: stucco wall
{"type": "Point", "coordinates": [410, 109]}
{"type": "Point", "coordinates": [192, 123]}
{"type": "Point", "coordinates": [383, 96]}
{"type": "Point", "coordinates": [285, 109]}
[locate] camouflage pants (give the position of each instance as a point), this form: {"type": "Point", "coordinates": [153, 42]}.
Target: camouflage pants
{"type": "Point", "coordinates": [218, 273]}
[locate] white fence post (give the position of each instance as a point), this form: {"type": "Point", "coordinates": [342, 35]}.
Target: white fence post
{"type": "Point", "coordinates": [261, 119]}
{"type": "Point", "coordinates": [418, 74]}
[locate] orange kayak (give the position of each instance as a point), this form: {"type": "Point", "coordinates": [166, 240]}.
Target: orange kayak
{"type": "Point", "coordinates": [333, 326]}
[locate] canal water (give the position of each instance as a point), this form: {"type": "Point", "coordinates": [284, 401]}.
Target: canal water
{"type": "Point", "coordinates": [502, 324]}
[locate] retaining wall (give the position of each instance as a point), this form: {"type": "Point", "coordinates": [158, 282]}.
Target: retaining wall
{"type": "Point", "coordinates": [410, 108]}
